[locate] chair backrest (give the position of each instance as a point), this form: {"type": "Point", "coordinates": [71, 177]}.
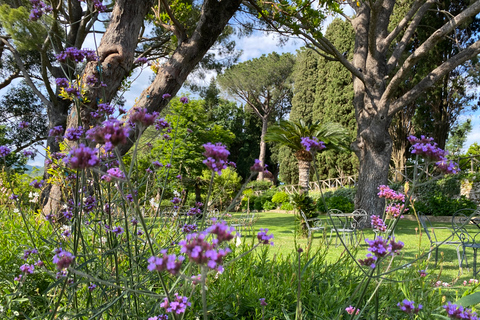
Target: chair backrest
{"type": "Point", "coordinates": [426, 224]}
{"type": "Point", "coordinates": [338, 222]}
{"type": "Point", "coordinates": [361, 218]}
{"type": "Point", "coordinates": [462, 220]}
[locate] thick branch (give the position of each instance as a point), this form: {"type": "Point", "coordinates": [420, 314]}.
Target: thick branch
{"type": "Point", "coordinates": [403, 23]}
{"type": "Point", "coordinates": [435, 76]}
{"type": "Point", "coordinates": [214, 17]}
{"type": "Point", "coordinates": [392, 62]}
{"type": "Point", "coordinates": [25, 74]}
{"type": "Point", "coordinates": [9, 80]}
{"type": "Point", "coordinates": [428, 45]}
{"type": "Point", "coordinates": [179, 30]}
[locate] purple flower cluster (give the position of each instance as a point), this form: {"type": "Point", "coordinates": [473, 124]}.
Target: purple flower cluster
{"type": "Point", "coordinates": [23, 124]}
{"type": "Point", "coordinates": [92, 287]}
{"type": "Point", "coordinates": [395, 209]}
{"type": "Point", "coordinates": [118, 231]}
{"type": "Point", "coordinates": [111, 133]}
{"type": "Point", "coordinates": [113, 173]}
{"type": "Point", "coordinates": [159, 317]}
{"type": "Point", "coordinates": [369, 261]}
{"type": "Point", "coordinates": [352, 310]}
{"type": "Point", "coordinates": [91, 80]}
{"type": "Point", "coordinates": [89, 204]}
{"type": "Point", "coordinates": [458, 312]}
{"type": "Point", "coordinates": [37, 184]}
{"type": "Point", "coordinates": [264, 238]}
{"type": "Point", "coordinates": [184, 100]}
{"type": "Point", "coordinates": [312, 144]}
{"type": "Point", "coordinates": [74, 134]}
{"type": "Point", "coordinates": [141, 116]}
{"type": "Point", "coordinates": [76, 55]}
{"type": "Point", "coordinates": [179, 305]}
{"type": "Point", "coordinates": [409, 307]}
{"type": "Point", "coordinates": [257, 167]}
{"type": "Point", "coordinates": [39, 9]}
{"type": "Point", "coordinates": [216, 155]}
{"type": "Point", "coordinates": [189, 228]}
{"type": "Point", "coordinates": [28, 153]}
{"type": "Point", "coordinates": [4, 151]}
{"type": "Point", "coordinates": [166, 96]}
{"type": "Point", "coordinates": [171, 263]}
{"type": "Point", "coordinates": [27, 268]}
{"type": "Point", "coordinates": [378, 224]}
{"type": "Point", "coordinates": [141, 60]}
{"type": "Point", "coordinates": [161, 124]}
{"type": "Point", "coordinates": [425, 147]}
{"type": "Point", "coordinates": [389, 194]}
{"type": "Point", "coordinates": [202, 252]}
{"type": "Point", "coordinates": [62, 82]}
{"type": "Point", "coordinates": [63, 259]}
{"type": "Point", "coordinates": [28, 252]}
{"type": "Point", "coordinates": [82, 157]}
{"type": "Point", "coordinates": [55, 131]}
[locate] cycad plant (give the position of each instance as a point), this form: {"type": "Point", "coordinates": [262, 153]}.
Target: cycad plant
{"type": "Point", "coordinates": [291, 133]}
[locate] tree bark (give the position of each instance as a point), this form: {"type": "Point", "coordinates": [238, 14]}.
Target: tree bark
{"type": "Point", "coordinates": [263, 146]}
{"type": "Point", "coordinates": [304, 175]}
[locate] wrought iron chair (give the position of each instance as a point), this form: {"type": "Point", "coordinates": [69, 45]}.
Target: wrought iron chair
{"type": "Point", "coordinates": [341, 224]}
{"type": "Point", "coordinates": [313, 224]}
{"type": "Point", "coordinates": [434, 242]}
{"type": "Point", "coordinates": [466, 225]}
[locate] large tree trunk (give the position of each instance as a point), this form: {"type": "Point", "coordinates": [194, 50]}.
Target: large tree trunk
{"type": "Point", "coordinates": [263, 146]}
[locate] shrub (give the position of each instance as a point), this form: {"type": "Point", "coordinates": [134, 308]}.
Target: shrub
{"type": "Point", "coordinates": [260, 185]}
{"type": "Point", "coordinates": [441, 205]}
{"type": "Point", "coordinates": [287, 206]}
{"type": "Point", "coordinates": [280, 197]}
{"type": "Point", "coordinates": [257, 204]}
{"type": "Point", "coordinates": [267, 205]}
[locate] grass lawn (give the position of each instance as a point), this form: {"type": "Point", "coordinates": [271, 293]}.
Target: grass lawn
{"type": "Point", "coordinates": [282, 225]}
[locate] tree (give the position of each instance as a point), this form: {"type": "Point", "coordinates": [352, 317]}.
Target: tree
{"type": "Point", "coordinates": [381, 64]}
{"type": "Point", "coordinates": [458, 136]}
{"type": "Point", "coordinates": [189, 31]}
{"type": "Point", "coordinates": [265, 85]}
{"type": "Point", "coordinates": [290, 134]}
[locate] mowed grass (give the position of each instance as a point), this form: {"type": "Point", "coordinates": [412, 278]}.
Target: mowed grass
{"type": "Point", "coordinates": [417, 245]}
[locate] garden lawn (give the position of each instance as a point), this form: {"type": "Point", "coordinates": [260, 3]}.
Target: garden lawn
{"type": "Point", "coordinates": [417, 245]}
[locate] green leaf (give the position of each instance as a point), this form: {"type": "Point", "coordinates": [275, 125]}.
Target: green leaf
{"type": "Point", "coordinates": [470, 300]}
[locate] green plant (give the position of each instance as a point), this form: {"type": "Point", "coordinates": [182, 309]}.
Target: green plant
{"type": "Point", "coordinates": [268, 205]}
{"type": "Point", "coordinates": [260, 185]}
{"type": "Point", "coordinates": [287, 206]}
{"type": "Point", "coordinates": [280, 197]}
{"type": "Point", "coordinates": [302, 201]}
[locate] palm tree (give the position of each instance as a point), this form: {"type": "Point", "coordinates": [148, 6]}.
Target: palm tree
{"type": "Point", "coordinates": [290, 133]}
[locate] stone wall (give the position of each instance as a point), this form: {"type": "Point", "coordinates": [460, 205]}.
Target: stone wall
{"type": "Point", "coordinates": [471, 190]}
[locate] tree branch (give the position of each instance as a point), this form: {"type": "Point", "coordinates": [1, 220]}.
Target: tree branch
{"type": "Point", "coordinates": [434, 76]}
{"type": "Point", "coordinates": [25, 74]}
{"type": "Point", "coordinates": [9, 80]}
{"type": "Point", "coordinates": [402, 24]}
{"type": "Point", "coordinates": [392, 62]}
{"type": "Point", "coordinates": [179, 30]}
{"type": "Point", "coordinates": [428, 45]}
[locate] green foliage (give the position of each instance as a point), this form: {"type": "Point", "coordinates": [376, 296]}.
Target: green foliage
{"type": "Point", "coordinates": [441, 205]}
{"type": "Point", "coordinates": [302, 201]}
{"type": "Point", "coordinates": [439, 197]}
{"type": "Point", "coordinates": [458, 136]}
{"type": "Point", "coordinates": [280, 197]}
{"type": "Point", "coordinates": [225, 186]}
{"type": "Point", "coordinates": [27, 35]}
{"type": "Point", "coordinates": [287, 206]}
{"type": "Point", "coordinates": [268, 205]}
{"type": "Point", "coordinates": [258, 185]}
{"type": "Point", "coordinates": [338, 202]}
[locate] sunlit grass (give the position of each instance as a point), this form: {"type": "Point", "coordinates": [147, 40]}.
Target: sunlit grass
{"type": "Point", "coordinates": [417, 245]}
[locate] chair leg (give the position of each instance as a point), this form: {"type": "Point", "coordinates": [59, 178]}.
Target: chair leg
{"type": "Point", "coordinates": [459, 260]}
{"type": "Point", "coordinates": [474, 261]}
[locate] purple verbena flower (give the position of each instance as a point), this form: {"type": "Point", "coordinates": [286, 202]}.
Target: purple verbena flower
{"type": "Point", "coordinates": [458, 312]}
{"type": "Point", "coordinates": [352, 310]}
{"type": "Point", "coordinates": [55, 131]}
{"type": "Point", "coordinates": [184, 100]}
{"type": "Point", "coordinates": [171, 263]}
{"type": "Point", "coordinates": [369, 261]}
{"type": "Point", "coordinates": [4, 151]}
{"type": "Point", "coordinates": [113, 173]}
{"type": "Point", "coordinates": [166, 96]}
{"type": "Point", "coordinates": [262, 302]}
{"type": "Point", "coordinates": [23, 124]}
{"type": "Point", "coordinates": [178, 306]}
{"type": "Point", "coordinates": [74, 134]}
{"type": "Point", "coordinates": [82, 157]}
{"type": "Point", "coordinates": [63, 259]}
{"type": "Point", "coordinates": [263, 237]}
{"type": "Point", "coordinates": [27, 268]}
{"type": "Point", "coordinates": [257, 167]}
{"type": "Point", "coordinates": [312, 144]}
{"type": "Point", "coordinates": [409, 306]}
{"type": "Point", "coordinates": [216, 155]}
